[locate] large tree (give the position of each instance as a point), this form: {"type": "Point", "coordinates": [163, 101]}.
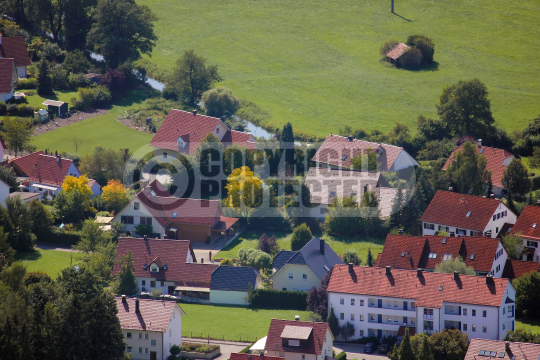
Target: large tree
{"type": "Point", "coordinates": [104, 164]}
{"type": "Point", "coordinates": [44, 80]}
{"type": "Point", "coordinates": [78, 23]}
{"type": "Point", "coordinates": [468, 171]}
{"type": "Point", "coordinates": [528, 294]}
{"type": "Point", "coordinates": [17, 133]}
{"type": "Point", "coordinates": [513, 245]}
{"type": "Point", "coordinates": [53, 14]}
{"type": "Point", "coordinates": [516, 178]}
{"type": "Point", "coordinates": [122, 31]}
{"type": "Point", "coordinates": [451, 265]}
{"type": "Point", "coordinates": [219, 102]}
{"type": "Point", "coordinates": [192, 76]}
{"type": "Point", "coordinates": [16, 218]}
{"type": "Point", "coordinates": [449, 345]}
{"type": "Point", "coordinates": [125, 279]}
{"type": "Point", "coordinates": [244, 190]}
{"type": "Point", "coordinates": [465, 108]}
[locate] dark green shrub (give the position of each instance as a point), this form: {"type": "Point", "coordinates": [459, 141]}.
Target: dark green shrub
{"type": "Point", "coordinates": [300, 237]}
{"type": "Point", "coordinates": [64, 237]}
{"type": "Point", "coordinates": [270, 298]}
{"type": "Point", "coordinates": [341, 356]}
{"type": "Point", "coordinates": [208, 239]}
{"type": "Point", "coordinates": [144, 229]}
{"type": "Point", "coordinates": [425, 45]}
{"type": "Point", "coordinates": [30, 83]}
{"type": "Point", "coordinates": [102, 96]}
{"type": "Point", "coordinates": [3, 108]}
{"type": "Point", "coordinates": [411, 59]}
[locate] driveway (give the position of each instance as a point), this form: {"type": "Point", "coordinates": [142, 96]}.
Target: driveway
{"type": "Point", "coordinates": [226, 347]}
{"type": "Point", "coordinates": [356, 351]}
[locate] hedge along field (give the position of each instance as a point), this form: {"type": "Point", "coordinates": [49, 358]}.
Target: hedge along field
{"type": "Point", "coordinates": [316, 63]}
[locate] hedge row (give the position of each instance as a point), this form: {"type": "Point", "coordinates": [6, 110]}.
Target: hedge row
{"type": "Point", "coordinates": [269, 298]}
{"type": "Point", "coordinates": [64, 237]}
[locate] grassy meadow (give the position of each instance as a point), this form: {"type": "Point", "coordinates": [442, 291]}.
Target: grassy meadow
{"type": "Point", "coordinates": [51, 262]}
{"type": "Point", "coordinates": [316, 63]}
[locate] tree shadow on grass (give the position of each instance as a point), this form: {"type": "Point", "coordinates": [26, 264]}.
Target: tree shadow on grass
{"type": "Point", "coordinates": [28, 256]}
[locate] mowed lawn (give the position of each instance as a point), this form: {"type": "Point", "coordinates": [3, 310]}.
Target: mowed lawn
{"type": "Point", "coordinates": [526, 324]}
{"type": "Point", "coordinates": [250, 239]}
{"type": "Point", "coordinates": [231, 322]}
{"type": "Point", "coordinates": [51, 262]}
{"type": "Point", "coordinates": [103, 130]}
{"type": "Point", "coordinates": [37, 101]}
{"type": "Point", "coordinates": [316, 63]}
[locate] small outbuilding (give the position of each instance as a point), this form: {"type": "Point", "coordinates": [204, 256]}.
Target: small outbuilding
{"type": "Point", "coordinates": [230, 284]}
{"type": "Point", "coordinates": [396, 52]}
{"type": "Point", "coordinates": [58, 108]}
{"type": "Point", "coordinates": [41, 115]}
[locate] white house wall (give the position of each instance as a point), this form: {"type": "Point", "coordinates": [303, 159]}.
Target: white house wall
{"type": "Point", "coordinates": [220, 130]}
{"type": "Point", "coordinates": [173, 335]}
{"type": "Point", "coordinates": [403, 161]}
{"type": "Point", "coordinates": [135, 343]}
{"type": "Point", "coordinates": [129, 210]}
{"type": "Point", "coordinates": [228, 297]}
{"type": "Point", "coordinates": [498, 264]}
{"type": "Point", "coordinates": [146, 283]}
{"type": "Point", "coordinates": [281, 279]}
{"type": "Point", "coordinates": [21, 72]}
{"type": "Point", "coordinates": [496, 225]}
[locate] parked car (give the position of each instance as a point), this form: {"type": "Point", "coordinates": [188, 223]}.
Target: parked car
{"type": "Point", "coordinates": [383, 349]}
{"type": "Point", "coordinates": [369, 348]}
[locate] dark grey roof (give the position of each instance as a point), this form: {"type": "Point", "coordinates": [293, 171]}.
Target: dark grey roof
{"type": "Point", "coordinates": [311, 256]}
{"type": "Point", "coordinates": [233, 278]}
{"type": "Point", "coordinates": [281, 258]}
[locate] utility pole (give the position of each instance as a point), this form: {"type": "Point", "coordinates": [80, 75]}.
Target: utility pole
{"type": "Point", "coordinates": [392, 6]}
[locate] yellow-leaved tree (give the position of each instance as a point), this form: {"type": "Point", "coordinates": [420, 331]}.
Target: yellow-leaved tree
{"type": "Point", "coordinates": [244, 191]}
{"type": "Point", "coordinates": [115, 195]}
{"type": "Point", "coordinates": [77, 183]}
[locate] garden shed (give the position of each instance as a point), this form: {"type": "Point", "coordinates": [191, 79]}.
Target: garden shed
{"type": "Point", "coordinates": [41, 115]}
{"type": "Point", "coordinates": [396, 51]}
{"type": "Point", "coordinates": [58, 108]}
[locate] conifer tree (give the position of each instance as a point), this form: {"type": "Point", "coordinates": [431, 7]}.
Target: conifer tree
{"type": "Point", "coordinates": [370, 261]}
{"type": "Point", "coordinates": [125, 279]}
{"type": "Point", "coordinates": [405, 349]}
{"type": "Point", "coordinates": [425, 350]}
{"type": "Point", "coordinates": [396, 218]}
{"type": "Point", "coordinates": [333, 322]}
{"type": "Point", "coordinates": [44, 81]}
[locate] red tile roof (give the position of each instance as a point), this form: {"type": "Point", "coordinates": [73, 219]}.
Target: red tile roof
{"type": "Point", "coordinates": [514, 269]}
{"type": "Point", "coordinates": [426, 290]}
{"type": "Point", "coordinates": [495, 158]}
{"type": "Point", "coordinates": [15, 47]}
{"type": "Point", "coordinates": [50, 171]}
{"type": "Point", "coordinates": [450, 208]}
{"type": "Point", "coordinates": [416, 251]}
{"type": "Point", "coordinates": [154, 315]}
{"type": "Point", "coordinates": [238, 356]}
{"type": "Point", "coordinates": [242, 139]}
{"type": "Point", "coordinates": [24, 165]}
{"type": "Point", "coordinates": [7, 67]}
{"type": "Point", "coordinates": [184, 124]}
{"type": "Point", "coordinates": [396, 51]}
{"type": "Point", "coordinates": [524, 224]}
{"type": "Point", "coordinates": [517, 350]}
{"type": "Point", "coordinates": [172, 253]}
{"type": "Point", "coordinates": [315, 342]}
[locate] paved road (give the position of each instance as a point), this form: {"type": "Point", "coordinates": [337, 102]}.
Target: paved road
{"type": "Point", "coordinates": [226, 347]}
{"type": "Point", "coordinates": [355, 351]}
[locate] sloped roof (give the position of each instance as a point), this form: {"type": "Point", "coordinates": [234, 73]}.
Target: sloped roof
{"type": "Point", "coordinates": [416, 249]}
{"type": "Point", "coordinates": [396, 51]}
{"type": "Point", "coordinates": [525, 222]}
{"type": "Point", "coordinates": [233, 278]}
{"type": "Point", "coordinates": [335, 147]}
{"type": "Point", "coordinates": [514, 269]}
{"type": "Point", "coordinates": [315, 342]}
{"type": "Point", "coordinates": [311, 256]}
{"type": "Point", "coordinates": [154, 315]}
{"type": "Point", "coordinates": [173, 253]}
{"type": "Point", "coordinates": [281, 258]}
{"type": "Point", "coordinates": [24, 165]}
{"type": "Point", "coordinates": [431, 290]}
{"type": "Point", "coordinates": [7, 67]}
{"type": "Point", "coordinates": [516, 350]}
{"type": "Point", "coordinates": [385, 197]}
{"type": "Point", "coordinates": [15, 47]}
{"type": "Point", "coordinates": [48, 170]}
{"type": "Point", "coordinates": [242, 356]}
{"type": "Point", "coordinates": [56, 103]}
{"type": "Point", "coordinates": [450, 208]}
{"type": "Point", "coordinates": [494, 157]}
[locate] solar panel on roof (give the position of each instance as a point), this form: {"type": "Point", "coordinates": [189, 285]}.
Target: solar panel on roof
{"type": "Point", "coordinates": [501, 355]}
{"type": "Point", "coordinates": [481, 353]}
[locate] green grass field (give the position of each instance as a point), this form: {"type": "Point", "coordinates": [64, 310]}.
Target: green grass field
{"type": "Point", "coordinates": [532, 325]}
{"type": "Point", "coordinates": [250, 238]}
{"type": "Point", "coordinates": [316, 63]}
{"type": "Point", "coordinates": [103, 130]}
{"type": "Point", "coordinates": [50, 261]}
{"type": "Point", "coordinates": [37, 101]}
{"type": "Point", "coordinates": [231, 322]}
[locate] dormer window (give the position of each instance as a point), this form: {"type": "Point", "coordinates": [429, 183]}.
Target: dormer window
{"type": "Point", "coordinates": [293, 342]}
{"type": "Point", "coordinates": [432, 255]}
{"type": "Point", "coordinates": [447, 256]}
{"type": "Point", "coordinates": [154, 268]}
{"type": "Point", "coordinates": [180, 143]}
{"type": "Point", "coordinates": [534, 226]}
{"type": "Point", "coordinates": [174, 215]}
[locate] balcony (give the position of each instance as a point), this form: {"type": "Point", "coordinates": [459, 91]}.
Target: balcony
{"type": "Point", "coordinates": [428, 317]}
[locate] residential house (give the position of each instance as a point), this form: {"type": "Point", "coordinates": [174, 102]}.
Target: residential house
{"type": "Point", "coordinates": [326, 184]}
{"type": "Point", "coordinates": [95, 187]}
{"type": "Point", "coordinates": [150, 327]}
{"type": "Point", "coordinates": [175, 218]}
{"type": "Point", "coordinates": [299, 340]}
{"type": "Point", "coordinates": [458, 214]}
{"type": "Point", "coordinates": [8, 77]}
{"type": "Point", "coordinates": [262, 356]}
{"type": "Point", "coordinates": [484, 255]}
{"type": "Point", "coordinates": [14, 47]}
{"type": "Point", "coordinates": [505, 350]}
{"type": "Point", "coordinates": [515, 269]}
{"type": "Point", "coordinates": [337, 152]}
{"type": "Point", "coordinates": [381, 301]}
{"type": "Point", "coordinates": [49, 173]}
{"type": "Point", "coordinates": [25, 197]}
{"type": "Point", "coordinates": [497, 160]}
{"type": "Point", "coordinates": [168, 265]}
{"type": "Point", "coordinates": [303, 269]}
{"type": "Point", "coordinates": [24, 165]}
{"type": "Point", "coordinates": [395, 53]}
{"type": "Point", "coordinates": [182, 131]}
{"type": "Point", "coordinates": [527, 226]}
{"type": "Point", "coordinates": [230, 284]}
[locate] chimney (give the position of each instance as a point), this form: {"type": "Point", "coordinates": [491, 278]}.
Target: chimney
{"type": "Point", "coordinates": [388, 271]}
{"type": "Point", "coordinates": [137, 309]}
{"type": "Point", "coordinates": [456, 275]}
{"type": "Point", "coordinates": [195, 112]}
{"type": "Point", "coordinates": [297, 317]}
{"type": "Point", "coordinates": [419, 273]}
{"type": "Point", "coordinates": [321, 243]}
{"type": "Point", "coordinates": [58, 158]}
{"type": "Point", "coordinates": [145, 237]}
{"type": "Point", "coordinates": [350, 138]}
{"type": "Point", "coordinates": [400, 231]}
{"type": "Point", "coordinates": [250, 357]}
{"type": "Point", "coordinates": [489, 280]}
{"type": "Point", "coordinates": [479, 143]}
{"type": "Point", "coordinates": [124, 300]}
{"type": "Point", "coordinates": [351, 270]}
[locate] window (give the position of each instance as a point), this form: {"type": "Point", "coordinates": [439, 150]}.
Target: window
{"type": "Point", "coordinates": [304, 277]}
{"type": "Point", "coordinates": [332, 193]}
{"type": "Point", "coordinates": [152, 284]}
{"type": "Point", "coordinates": [284, 289]}
{"type": "Point", "coordinates": [217, 130]}
{"type": "Point", "coordinates": [464, 327]}
{"type": "Point", "coordinates": [472, 257]}
{"type": "Point", "coordinates": [474, 328]}
{"type": "Point", "coordinates": [469, 214]}
{"type": "Point", "coordinates": [484, 313]}
{"type": "Point", "coordinates": [504, 310]}
{"type": "Point", "coordinates": [343, 157]}
{"type": "Point", "coordinates": [136, 205]}
{"type": "Point", "coordinates": [504, 327]}
{"type": "Point", "coordinates": [128, 349]}
{"type": "Point", "coordinates": [429, 226]}
{"type": "Point", "coordinates": [352, 317]}
{"type": "Point", "coordinates": [146, 350]}
{"type": "Point", "coordinates": [432, 255]}
{"type": "Point", "coordinates": [361, 302]}
{"type": "Point", "coordinates": [126, 219]}
{"type": "Point", "coordinates": [498, 216]}
{"type": "Point", "coordinates": [143, 282]}
{"type": "Point", "coordinates": [461, 232]}
{"type": "Point", "coordinates": [140, 350]}
{"type": "Point", "coordinates": [128, 335]}
{"type": "Point", "coordinates": [142, 220]}
{"type": "Point", "coordinates": [152, 342]}
{"type": "Point", "coordinates": [164, 155]}
{"type": "Point", "coordinates": [473, 313]}
{"type": "Point", "coordinates": [389, 319]}
{"type": "Point", "coordinates": [303, 357]}
{"type": "Point", "coordinates": [341, 316]}
{"type": "Point", "coordinates": [389, 303]}
{"type": "Point", "coordinates": [174, 215]}
{"type": "Point", "coordinates": [170, 332]}
{"type": "Point", "coordinates": [484, 328]}
{"type": "Point", "coordinates": [352, 302]}
{"type": "Point", "coordinates": [341, 301]}
{"type": "Point", "coordinates": [361, 332]}
{"type": "Point", "coordinates": [533, 244]}
{"type": "Point", "coordinates": [447, 256]}
{"type": "Point", "coordinates": [154, 268]}
{"type": "Point", "coordinates": [472, 233]}
{"type": "Point", "coordinates": [509, 308]}
{"type": "Point", "coordinates": [464, 311]}
{"type": "Point", "coordinates": [428, 325]}
{"type": "Point", "coordinates": [494, 217]}
{"type": "Point", "coordinates": [148, 221]}
{"type": "Point", "coordinates": [145, 336]}
{"type": "Point", "coordinates": [413, 305]}
{"type": "Point", "coordinates": [291, 276]}
{"type": "Point", "coordinates": [361, 317]}
{"type": "Point", "coordinates": [140, 335]}
{"type": "Point", "coordinates": [413, 320]}
{"type": "Point", "coordinates": [162, 283]}
{"type": "Point", "coordinates": [428, 311]}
